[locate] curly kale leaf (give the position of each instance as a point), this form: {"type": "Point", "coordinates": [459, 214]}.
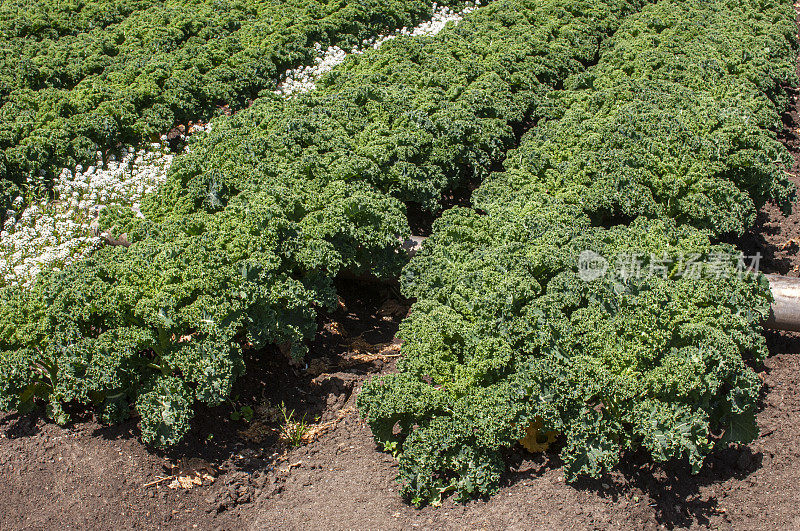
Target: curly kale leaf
{"type": "Point", "coordinates": [165, 405]}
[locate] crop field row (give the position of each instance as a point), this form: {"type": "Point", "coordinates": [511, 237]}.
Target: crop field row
{"type": "Point", "coordinates": [668, 141]}
{"type": "Point", "coordinates": [62, 226]}
{"type": "Point", "coordinates": [239, 247]}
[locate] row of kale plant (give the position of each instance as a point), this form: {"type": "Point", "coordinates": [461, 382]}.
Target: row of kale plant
{"type": "Point", "coordinates": [642, 162]}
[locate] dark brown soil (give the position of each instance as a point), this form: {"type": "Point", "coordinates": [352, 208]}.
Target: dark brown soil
{"type": "Point", "coordinates": [343, 483]}
{"type": "Point", "coordinates": [88, 476]}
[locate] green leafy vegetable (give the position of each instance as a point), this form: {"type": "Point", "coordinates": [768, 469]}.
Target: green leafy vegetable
{"type": "Point", "coordinates": [677, 120]}
{"type": "Point", "coordinates": [505, 331]}
{"type": "Point", "coordinates": [583, 291]}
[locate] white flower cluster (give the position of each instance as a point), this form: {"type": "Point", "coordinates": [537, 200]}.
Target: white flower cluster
{"type": "Point", "coordinates": [52, 233]}
{"type": "Point", "coordinates": [303, 79]}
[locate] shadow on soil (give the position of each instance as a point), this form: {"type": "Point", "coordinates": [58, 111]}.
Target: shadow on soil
{"type": "Point", "coordinates": [669, 488]}
{"type": "Point", "coordinates": [368, 316]}
{"type": "Point", "coordinates": [19, 425]}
